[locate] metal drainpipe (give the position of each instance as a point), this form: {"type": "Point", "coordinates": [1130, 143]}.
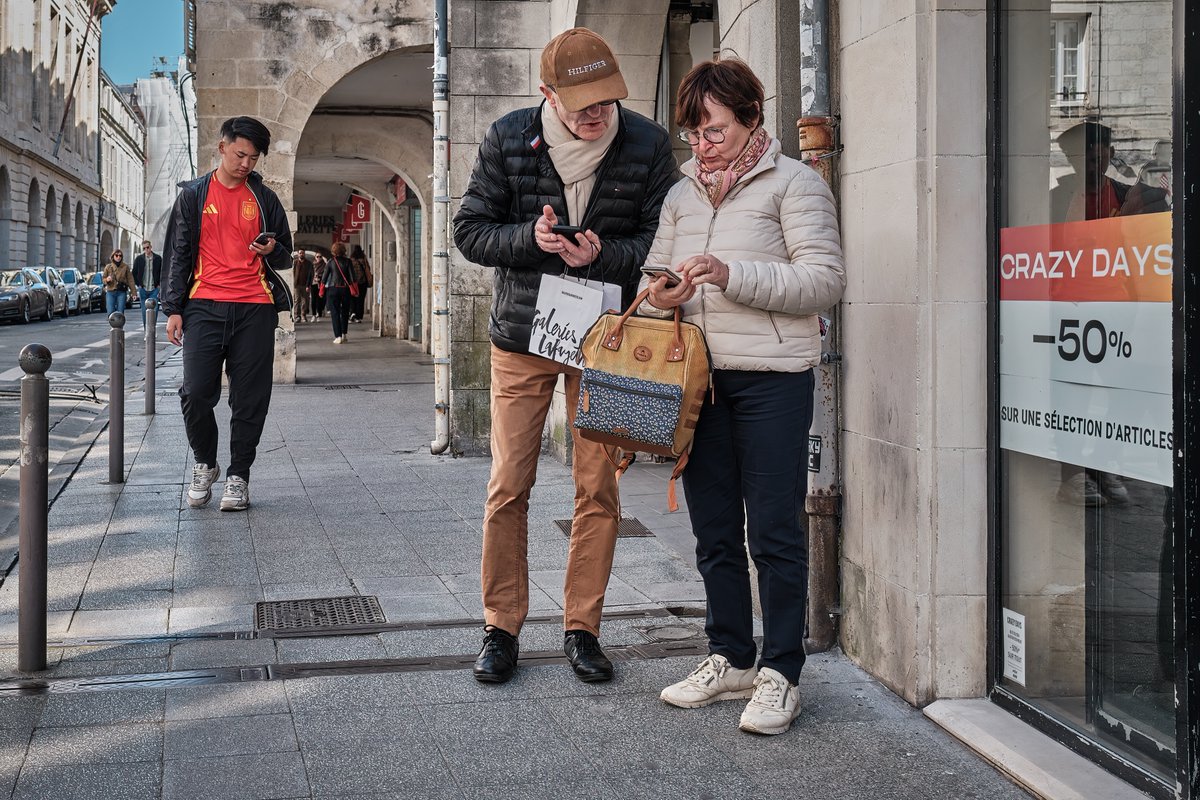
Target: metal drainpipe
{"type": "Point", "coordinates": [440, 235]}
{"type": "Point", "coordinates": [823, 503]}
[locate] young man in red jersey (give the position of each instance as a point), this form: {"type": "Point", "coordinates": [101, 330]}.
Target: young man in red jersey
{"type": "Point", "coordinates": [227, 236]}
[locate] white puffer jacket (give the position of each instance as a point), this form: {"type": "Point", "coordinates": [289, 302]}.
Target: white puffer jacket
{"type": "Point", "coordinates": [778, 233]}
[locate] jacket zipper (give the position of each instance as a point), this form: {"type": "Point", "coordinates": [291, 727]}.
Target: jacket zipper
{"type": "Point", "coordinates": [262, 218]}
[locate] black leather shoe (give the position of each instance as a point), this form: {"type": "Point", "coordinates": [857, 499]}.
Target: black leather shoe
{"type": "Point", "coordinates": [586, 657]}
{"type": "Point", "coordinates": [498, 659]}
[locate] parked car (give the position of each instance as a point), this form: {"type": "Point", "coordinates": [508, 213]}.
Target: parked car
{"type": "Point", "coordinates": [79, 295]}
{"type": "Point", "coordinates": [58, 290]}
{"type": "Point", "coordinates": [23, 296]}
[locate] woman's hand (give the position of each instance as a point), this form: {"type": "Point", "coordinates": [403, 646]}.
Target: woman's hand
{"type": "Point", "coordinates": [664, 296]}
{"type": "Point", "coordinates": [705, 269]}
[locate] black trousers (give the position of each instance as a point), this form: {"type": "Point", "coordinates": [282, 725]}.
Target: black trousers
{"type": "Point", "coordinates": [337, 299]}
{"type": "Point", "coordinates": [318, 302]}
{"type": "Point", "coordinates": [745, 482]}
{"type": "Point", "coordinates": [241, 338]}
{"type": "Point", "coordinates": [358, 304]}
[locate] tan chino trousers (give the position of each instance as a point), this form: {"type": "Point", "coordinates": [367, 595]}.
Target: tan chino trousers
{"type": "Point", "coordinates": [522, 388]}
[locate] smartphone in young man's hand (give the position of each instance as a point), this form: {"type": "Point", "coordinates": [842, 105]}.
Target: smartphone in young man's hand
{"type": "Point", "coordinates": [264, 237]}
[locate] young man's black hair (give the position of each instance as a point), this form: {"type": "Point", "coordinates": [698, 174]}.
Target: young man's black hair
{"type": "Point", "coordinates": [247, 128]}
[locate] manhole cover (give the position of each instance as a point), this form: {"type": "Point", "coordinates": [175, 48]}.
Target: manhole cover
{"type": "Point", "coordinates": [670, 633]}
{"type": "Point", "coordinates": [321, 612]}
{"type": "Point", "coordinates": [627, 528]}
{"type": "Point", "coordinates": [334, 387]}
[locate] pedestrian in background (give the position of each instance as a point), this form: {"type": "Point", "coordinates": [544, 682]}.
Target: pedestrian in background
{"type": "Point", "coordinates": [118, 283]}
{"type": "Point", "coordinates": [338, 277]}
{"type": "Point", "coordinates": [581, 158]}
{"type": "Point", "coordinates": [315, 294]}
{"type": "Point", "coordinates": [755, 236]}
{"type": "Point", "coordinates": [147, 280]}
{"type": "Point", "coordinates": [302, 278]}
{"type": "Point", "coordinates": [362, 272]}
{"type": "Point", "coordinates": [228, 235]}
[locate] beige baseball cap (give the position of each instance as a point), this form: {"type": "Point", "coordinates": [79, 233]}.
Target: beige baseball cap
{"type": "Point", "coordinates": [582, 69]}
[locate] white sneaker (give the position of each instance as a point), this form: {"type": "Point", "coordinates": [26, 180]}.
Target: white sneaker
{"type": "Point", "coordinates": [712, 681]}
{"type": "Point", "coordinates": [237, 494]}
{"type": "Point", "coordinates": [774, 705]}
{"type": "Point", "coordinates": [200, 492]}
{"type": "Point", "coordinates": [337, 340]}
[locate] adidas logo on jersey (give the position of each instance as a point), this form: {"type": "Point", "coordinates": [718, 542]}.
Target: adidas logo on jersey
{"type": "Point", "coordinates": [211, 208]}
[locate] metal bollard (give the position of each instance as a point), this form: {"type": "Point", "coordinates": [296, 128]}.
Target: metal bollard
{"type": "Point", "coordinates": [35, 359]}
{"type": "Point", "coordinates": [151, 317]}
{"type": "Point", "coordinates": [116, 399]}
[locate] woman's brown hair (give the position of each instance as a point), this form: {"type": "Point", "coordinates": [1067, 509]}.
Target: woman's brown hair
{"type": "Point", "coordinates": [338, 249]}
{"type": "Point", "coordinates": [728, 82]}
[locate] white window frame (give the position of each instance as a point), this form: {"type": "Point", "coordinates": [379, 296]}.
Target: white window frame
{"type": "Point", "coordinates": [1058, 24]}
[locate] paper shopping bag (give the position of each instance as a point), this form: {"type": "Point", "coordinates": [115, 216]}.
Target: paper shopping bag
{"type": "Point", "coordinates": [565, 310]}
{"type": "Point", "coordinates": [612, 291]}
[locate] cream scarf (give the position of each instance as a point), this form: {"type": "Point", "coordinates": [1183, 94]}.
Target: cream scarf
{"type": "Point", "coordinates": [575, 160]}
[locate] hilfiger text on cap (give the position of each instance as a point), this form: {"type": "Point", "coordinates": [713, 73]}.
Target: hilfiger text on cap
{"type": "Point", "coordinates": [587, 68]}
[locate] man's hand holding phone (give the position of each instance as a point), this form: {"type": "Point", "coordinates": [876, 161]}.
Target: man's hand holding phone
{"type": "Point", "coordinates": [175, 329]}
{"type": "Point", "coordinates": [264, 244]}
{"type": "Point", "coordinates": [577, 250]}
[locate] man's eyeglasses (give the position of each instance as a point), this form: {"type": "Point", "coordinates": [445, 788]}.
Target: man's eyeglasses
{"type": "Point", "coordinates": [711, 135]}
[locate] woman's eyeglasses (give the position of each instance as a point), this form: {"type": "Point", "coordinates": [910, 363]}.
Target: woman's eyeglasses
{"type": "Point", "coordinates": [711, 135]}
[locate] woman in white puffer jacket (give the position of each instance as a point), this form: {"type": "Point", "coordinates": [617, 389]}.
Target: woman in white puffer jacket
{"type": "Point", "coordinates": [753, 236]}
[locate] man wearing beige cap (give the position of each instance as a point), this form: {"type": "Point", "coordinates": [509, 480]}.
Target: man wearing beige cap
{"type": "Point", "coordinates": [580, 159]}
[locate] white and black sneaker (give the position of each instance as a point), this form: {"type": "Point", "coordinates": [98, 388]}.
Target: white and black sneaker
{"type": "Point", "coordinates": [237, 494]}
{"type": "Point", "coordinates": [200, 492]}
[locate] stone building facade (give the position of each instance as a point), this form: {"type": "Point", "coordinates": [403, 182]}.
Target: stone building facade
{"type": "Point", "coordinates": [50, 182]}
{"type": "Point", "coordinates": [122, 171]}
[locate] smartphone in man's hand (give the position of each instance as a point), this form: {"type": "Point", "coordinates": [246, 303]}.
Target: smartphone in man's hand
{"type": "Point", "coordinates": [264, 237]}
{"type": "Point", "coordinates": [568, 231]}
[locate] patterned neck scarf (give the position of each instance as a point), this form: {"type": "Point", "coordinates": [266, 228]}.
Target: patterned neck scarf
{"type": "Point", "coordinates": [718, 182]}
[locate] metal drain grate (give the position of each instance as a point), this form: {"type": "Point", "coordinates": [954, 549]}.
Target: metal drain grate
{"type": "Point", "coordinates": [335, 386]}
{"type": "Point", "coordinates": [321, 612]}
{"type": "Point", "coordinates": [627, 528]}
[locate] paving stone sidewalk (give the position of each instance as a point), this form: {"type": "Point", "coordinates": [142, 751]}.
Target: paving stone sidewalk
{"type": "Point", "coordinates": [148, 597]}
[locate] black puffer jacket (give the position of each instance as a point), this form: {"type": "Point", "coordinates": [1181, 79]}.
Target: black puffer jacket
{"type": "Point", "coordinates": [513, 179]}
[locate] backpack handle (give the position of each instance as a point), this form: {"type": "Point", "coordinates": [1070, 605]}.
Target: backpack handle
{"type": "Point", "coordinates": [613, 340]}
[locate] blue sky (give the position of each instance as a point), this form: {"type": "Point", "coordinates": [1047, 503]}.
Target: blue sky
{"type": "Point", "coordinates": [138, 30]}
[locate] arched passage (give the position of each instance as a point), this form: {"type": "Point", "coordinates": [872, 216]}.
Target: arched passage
{"type": "Point", "coordinates": [357, 139]}
{"type": "Point", "coordinates": [35, 226]}
{"type": "Point", "coordinates": [66, 235]}
{"type": "Point", "coordinates": [91, 257]}
{"type": "Point", "coordinates": [50, 238]}
{"type": "Point", "coordinates": [5, 211]}
{"type": "Point", "coordinates": [106, 248]}
{"type": "Point", "coordinates": [80, 237]}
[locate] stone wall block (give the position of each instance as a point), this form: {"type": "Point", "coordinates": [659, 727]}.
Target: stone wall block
{"type": "Point", "coordinates": [962, 78]}
{"type": "Point", "coordinates": [871, 104]}
{"type": "Point", "coordinates": [490, 109]}
{"type": "Point", "coordinates": [490, 72]}
{"type": "Point", "coordinates": [462, 318]}
{"type": "Point", "coordinates": [880, 233]}
{"type": "Point", "coordinates": [303, 88]}
{"type": "Point", "coordinates": [462, 161]}
{"type": "Point", "coordinates": [228, 45]}
{"type": "Point", "coordinates": [225, 102]}
{"type": "Point", "coordinates": [960, 353]}
{"type": "Point", "coordinates": [641, 76]}
{"type": "Point", "coordinates": [514, 24]}
{"type": "Point", "coordinates": [959, 554]}
{"type": "Point", "coordinates": [632, 34]}
{"type": "Point", "coordinates": [884, 397]}
{"type": "Point", "coordinates": [471, 364]}
{"type": "Point", "coordinates": [960, 245]}
{"type": "Point", "coordinates": [468, 278]}
{"type": "Point", "coordinates": [270, 103]}
{"type": "Point", "coordinates": [960, 631]}
{"type": "Point", "coordinates": [879, 630]}
{"type": "Point", "coordinates": [462, 24]}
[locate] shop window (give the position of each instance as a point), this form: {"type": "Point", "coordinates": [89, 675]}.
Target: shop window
{"type": "Point", "coordinates": [1069, 51]}
{"type": "Point", "coordinates": [1085, 262]}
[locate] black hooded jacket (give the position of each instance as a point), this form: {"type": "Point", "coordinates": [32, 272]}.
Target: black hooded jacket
{"type": "Point", "coordinates": [181, 249]}
{"type": "Point", "coordinates": [514, 177]}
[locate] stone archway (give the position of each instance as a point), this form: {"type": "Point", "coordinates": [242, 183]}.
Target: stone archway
{"type": "Point", "coordinates": [80, 238]}
{"type": "Point", "coordinates": [50, 238]}
{"type": "Point", "coordinates": [66, 235]}
{"type": "Point", "coordinates": [34, 226]}
{"type": "Point", "coordinates": [106, 248]}
{"type": "Point", "coordinates": [5, 211]}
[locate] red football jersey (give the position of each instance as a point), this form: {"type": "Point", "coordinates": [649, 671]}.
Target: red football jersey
{"type": "Point", "coordinates": [228, 270]}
